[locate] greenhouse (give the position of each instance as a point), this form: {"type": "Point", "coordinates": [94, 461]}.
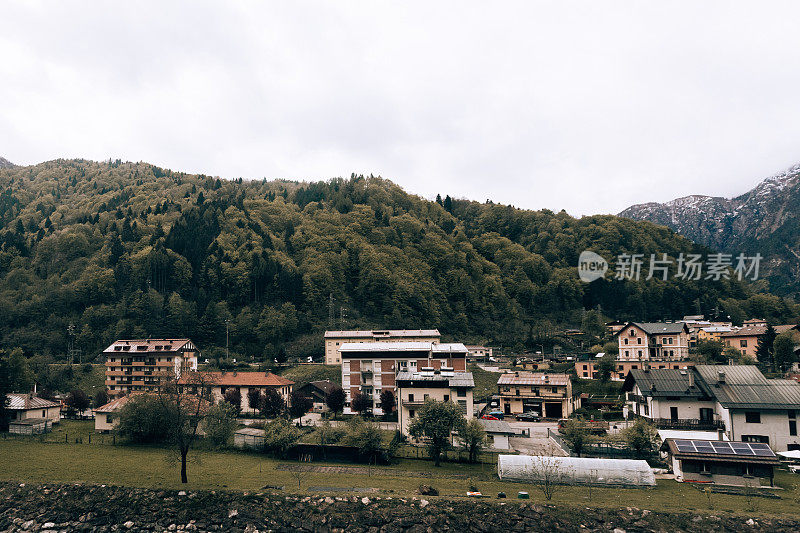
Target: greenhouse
{"type": "Point", "coordinates": [575, 470]}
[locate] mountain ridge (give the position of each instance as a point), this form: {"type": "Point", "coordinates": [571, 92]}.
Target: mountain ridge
{"type": "Point", "coordinates": [123, 250]}
{"type": "Point", "coordinates": [765, 219]}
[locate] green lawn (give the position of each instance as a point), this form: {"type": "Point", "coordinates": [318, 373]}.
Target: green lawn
{"type": "Point", "coordinates": [485, 382]}
{"type": "Point", "coordinates": [302, 374]}
{"type": "Point", "coordinates": [29, 460]}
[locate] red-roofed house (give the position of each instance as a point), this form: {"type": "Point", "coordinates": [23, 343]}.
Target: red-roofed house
{"type": "Point", "coordinates": [243, 382]}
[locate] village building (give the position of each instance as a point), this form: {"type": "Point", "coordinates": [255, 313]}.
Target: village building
{"type": "Point", "coordinates": [746, 339]}
{"type": "Point", "coordinates": [142, 365]}
{"type": "Point", "coordinates": [479, 353]}
{"type": "Point", "coordinates": [106, 417]}
{"type": "Point", "coordinates": [721, 463]}
{"type": "Point", "coordinates": [550, 395]}
{"type": "Point", "coordinates": [30, 414]}
{"type": "Point", "coordinates": [444, 385]}
{"type": "Point", "coordinates": [243, 382]}
{"type": "Point", "coordinates": [735, 398]}
{"type": "Point", "coordinates": [590, 369]}
{"type": "Point", "coordinates": [659, 341]}
{"type": "Point", "coordinates": [497, 433]}
{"type": "Point", "coordinates": [317, 392]}
{"type": "Point", "coordinates": [671, 399]}
{"type": "Point", "coordinates": [370, 368]}
{"type": "Point", "coordinates": [335, 339]}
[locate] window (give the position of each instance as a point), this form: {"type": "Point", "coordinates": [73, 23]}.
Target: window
{"type": "Point", "coordinates": [461, 393]}
{"type": "Point", "coordinates": [639, 353]}
{"type": "Point", "coordinates": [625, 341]}
{"type": "Point", "coordinates": [516, 391]}
{"type": "Point", "coordinates": [706, 414]}
{"type": "Point", "coordinates": [793, 428]}
{"type": "Point", "coordinates": [755, 438]}
{"type": "Point", "coordinates": [627, 353]}
{"type": "Point", "coordinates": [447, 397]}
{"type": "Point", "coordinates": [109, 418]}
{"type": "Point", "coordinates": [410, 397]}
{"type": "Point", "coordinates": [554, 390]}
{"type": "Point", "coordinates": [752, 417]}
{"type": "Point", "coordinates": [743, 343]}
{"type": "Point", "coordinates": [673, 413]}
{"type": "Point", "coordinates": [424, 396]}
{"type": "Point", "coordinates": [638, 340]}
{"type": "Point", "coordinates": [410, 413]}
{"type": "Point", "coordinates": [44, 413]}
{"type": "Point", "coordinates": [586, 374]}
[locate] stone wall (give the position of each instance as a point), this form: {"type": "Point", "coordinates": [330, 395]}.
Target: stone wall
{"type": "Point", "coordinates": [26, 507]}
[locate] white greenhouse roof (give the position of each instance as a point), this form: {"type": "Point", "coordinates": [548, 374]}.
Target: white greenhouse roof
{"type": "Point", "coordinates": [577, 470]}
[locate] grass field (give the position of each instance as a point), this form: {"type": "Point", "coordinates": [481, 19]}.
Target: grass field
{"type": "Point", "coordinates": [302, 374]}
{"type": "Point", "coordinates": [29, 460]}
{"type": "Point", "coordinates": [485, 382]}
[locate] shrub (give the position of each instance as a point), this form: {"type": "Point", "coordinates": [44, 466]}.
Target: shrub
{"type": "Point", "coordinates": [220, 424]}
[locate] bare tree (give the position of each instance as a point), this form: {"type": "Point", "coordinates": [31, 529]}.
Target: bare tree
{"type": "Point", "coordinates": [186, 402]}
{"type": "Point", "coordinates": [547, 474]}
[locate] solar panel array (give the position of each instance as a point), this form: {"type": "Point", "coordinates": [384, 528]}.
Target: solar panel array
{"type": "Point", "coordinates": [724, 448]}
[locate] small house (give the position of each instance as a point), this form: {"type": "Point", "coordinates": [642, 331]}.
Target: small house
{"type": "Point", "coordinates": [27, 407]}
{"type": "Point", "coordinates": [744, 464]}
{"type": "Point", "coordinates": [497, 433]}
{"type": "Point", "coordinates": [317, 392]}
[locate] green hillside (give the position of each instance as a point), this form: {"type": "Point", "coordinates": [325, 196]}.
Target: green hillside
{"type": "Point", "coordinates": [125, 249]}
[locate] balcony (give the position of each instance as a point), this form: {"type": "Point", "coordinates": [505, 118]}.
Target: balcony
{"type": "Point", "coordinates": [688, 423]}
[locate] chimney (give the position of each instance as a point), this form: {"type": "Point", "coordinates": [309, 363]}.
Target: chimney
{"type": "Point", "coordinates": [720, 434]}
{"type": "Point", "coordinates": [721, 376]}
{"type": "Point", "coordinates": [691, 379]}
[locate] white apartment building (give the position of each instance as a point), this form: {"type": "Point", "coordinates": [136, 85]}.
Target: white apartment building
{"type": "Point", "coordinates": [334, 339]}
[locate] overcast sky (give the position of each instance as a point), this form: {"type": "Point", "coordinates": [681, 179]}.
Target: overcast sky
{"type": "Point", "coordinates": [584, 106]}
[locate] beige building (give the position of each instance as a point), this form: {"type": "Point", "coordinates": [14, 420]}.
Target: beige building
{"type": "Point", "coordinates": [479, 352]}
{"type": "Point", "coordinates": [370, 368]}
{"type": "Point", "coordinates": [413, 388]}
{"type": "Point", "coordinates": [141, 365]}
{"type": "Point", "coordinates": [589, 369]}
{"type": "Point", "coordinates": [661, 341]}
{"type": "Point", "coordinates": [746, 339]}
{"type": "Point", "coordinates": [550, 395]}
{"type": "Point", "coordinates": [31, 414]}
{"type": "Point", "coordinates": [244, 382]}
{"type": "Point", "coordinates": [334, 339]}
{"type": "Point", "coordinates": [106, 417]}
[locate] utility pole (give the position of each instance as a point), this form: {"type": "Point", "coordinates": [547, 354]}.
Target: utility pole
{"type": "Point", "coordinates": [70, 342]}
{"type": "Point", "coordinates": [227, 354]}
{"type": "Point", "coordinates": [331, 311]}
{"type": "Point", "coordinates": [342, 316]}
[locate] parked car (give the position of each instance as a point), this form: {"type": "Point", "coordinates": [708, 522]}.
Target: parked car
{"type": "Point", "coordinates": [489, 417]}
{"type": "Point", "coordinates": [531, 416]}
{"type": "Point", "coordinates": [497, 414]}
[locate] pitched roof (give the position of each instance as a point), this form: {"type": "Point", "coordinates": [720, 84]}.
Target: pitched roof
{"type": "Point", "coordinates": [660, 328]}
{"type": "Point", "coordinates": [448, 347]}
{"type": "Point", "coordinates": [745, 387]}
{"type": "Point", "coordinates": [659, 382]}
{"type": "Point", "coordinates": [749, 331]}
{"type": "Point", "coordinates": [239, 379]}
{"type": "Point", "coordinates": [382, 333]}
{"type": "Point", "coordinates": [533, 378]}
{"type": "Point", "coordinates": [496, 426]}
{"type": "Point", "coordinates": [457, 379]}
{"type": "Point", "coordinates": [325, 386]}
{"type": "Point", "coordinates": [146, 345]}
{"type": "Point", "coordinates": [23, 402]}
{"type": "Point", "coordinates": [114, 404]}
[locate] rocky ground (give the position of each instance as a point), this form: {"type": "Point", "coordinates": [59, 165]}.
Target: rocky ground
{"type": "Point", "coordinates": [26, 507]}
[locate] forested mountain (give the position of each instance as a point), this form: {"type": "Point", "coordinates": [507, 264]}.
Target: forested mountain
{"type": "Point", "coordinates": [132, 250]}
{"type": "Point", "coordinates": [764, 220]}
